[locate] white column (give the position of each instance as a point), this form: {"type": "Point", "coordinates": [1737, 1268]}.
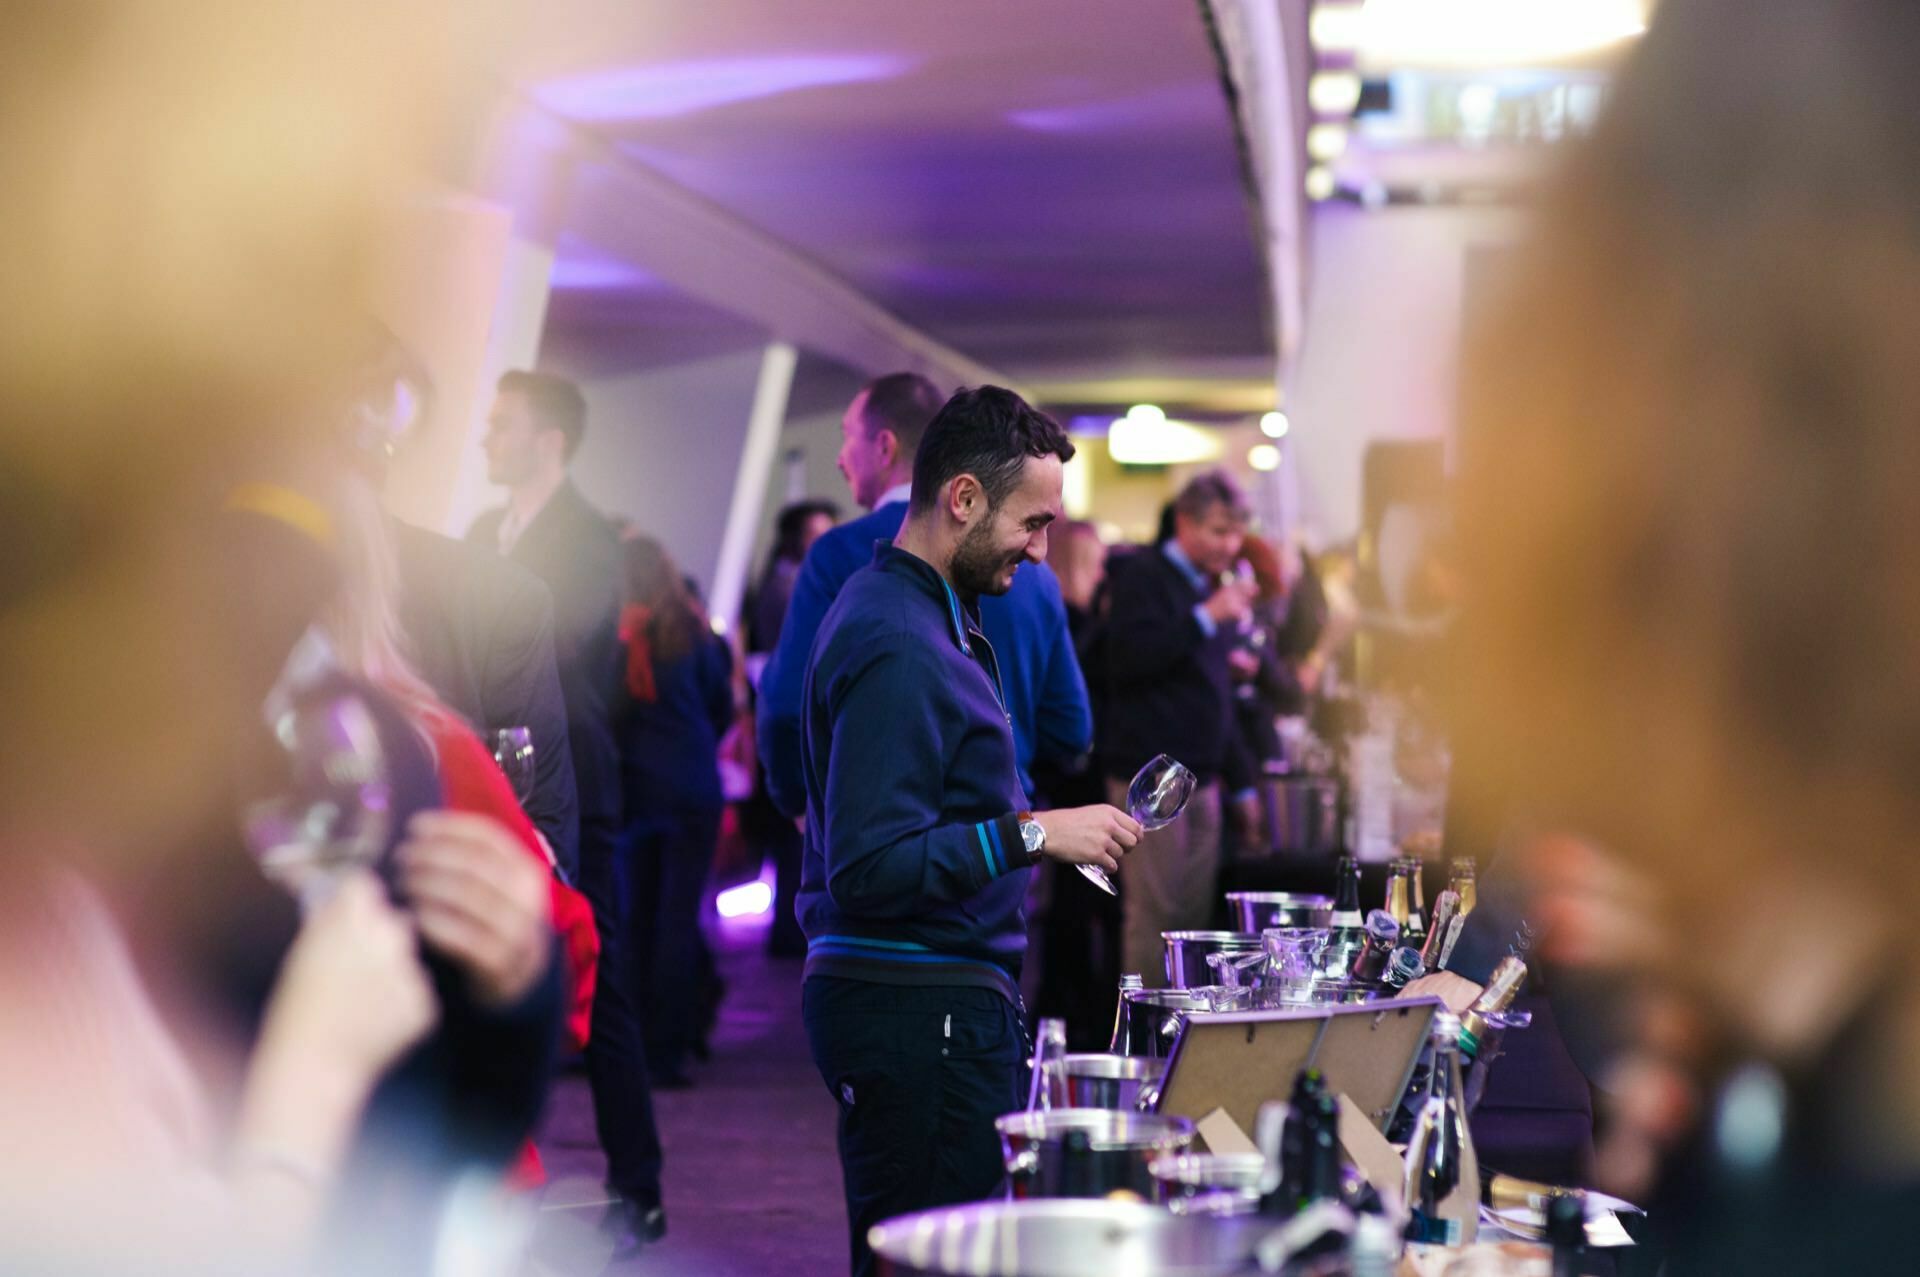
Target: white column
{"type": "Point", "coordinates": [467, 294]}
{"type": "Point", "coordinates": [513, 341]}
{"type": "Point", "coordinates": [764, 422]}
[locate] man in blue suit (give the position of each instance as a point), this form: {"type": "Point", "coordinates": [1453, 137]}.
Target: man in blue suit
{"type": "Point", "coordinates": [1046, 693]}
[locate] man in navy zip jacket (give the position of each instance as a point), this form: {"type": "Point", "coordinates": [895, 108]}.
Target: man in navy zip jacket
{"type": "Point", "coordinates": [914, 873]}
{"type": "Point", "coordinates": [1046, 691]}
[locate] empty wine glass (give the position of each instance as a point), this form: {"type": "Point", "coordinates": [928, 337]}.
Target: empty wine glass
{"type": "Point", "coordinates": [513, 750]}
{"type": "Point", "coordinates": [1155, 797]}
{"type": "Point", "coordinates": [1159, 792]}
{"type": "Point", "coordinates": [332, 809]}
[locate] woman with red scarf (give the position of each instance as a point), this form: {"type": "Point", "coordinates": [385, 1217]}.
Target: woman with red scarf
{"type": "Point", "coordinates": [676, 704]}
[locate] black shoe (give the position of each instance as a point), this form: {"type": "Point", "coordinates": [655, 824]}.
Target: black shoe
{"type": "Point", "coordinates": [633, 1227]}
{"type": "Point", "coordinates": [669, 1080]}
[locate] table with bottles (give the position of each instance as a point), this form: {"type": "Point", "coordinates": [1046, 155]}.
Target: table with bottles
{"type": "Point", "coordinates": [1102, 1182]}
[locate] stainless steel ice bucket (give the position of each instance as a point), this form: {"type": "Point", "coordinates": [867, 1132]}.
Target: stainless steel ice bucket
{"type": "Point", "coordinates": [1101, 1081]}
{"type": "Point", "coordinates": [1187, 953]}
{"type": "Point", "coordinates": [1061, 1238]}
{"type": "Point", "coordinates": [1150, 1020]}
{"type": "Point", "coordinates": [1087, 1152]}
{"type": "Point", "coordinates": [1255, 911]}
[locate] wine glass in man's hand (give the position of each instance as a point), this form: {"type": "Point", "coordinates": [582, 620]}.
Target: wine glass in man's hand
{"type": "Point", "coordinates": [1155, 797]}
{"type": "Point", "coordinates": [513, 750]}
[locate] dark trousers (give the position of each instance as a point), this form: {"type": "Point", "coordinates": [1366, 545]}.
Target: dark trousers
{"type": "Point", "coordinates": [616, 1061]}
{"type": "Point", "coordinates": [785, 845]}
{"type": "Point", "coordinates": [1078, 939]}
{"type": "Point", "coordinates": [664, 863]}
{"type": "Point", "coordinates": [919, 1074]}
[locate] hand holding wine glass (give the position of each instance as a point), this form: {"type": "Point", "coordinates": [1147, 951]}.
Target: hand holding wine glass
{"type": "Point", "coordinates": [1155, 797]}
{"type": "Point", "coordinates": [1231, 604]}
{"type": "Point", "coordinates": [1095, 836]}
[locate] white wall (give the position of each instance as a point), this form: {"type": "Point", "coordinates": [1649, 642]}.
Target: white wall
{"type": "Point", "coordinates": [467, 296]}
{"type": "Point", "coordinates": [1380, 346]}
{"type": "Point", "coordinates": [663, 448]}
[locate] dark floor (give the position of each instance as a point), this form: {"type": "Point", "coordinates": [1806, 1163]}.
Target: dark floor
{"type": "Point", "coordinates": [752, 1181]}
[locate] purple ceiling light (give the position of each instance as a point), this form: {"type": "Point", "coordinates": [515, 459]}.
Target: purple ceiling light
{"type": "Point", "coordinates": [673, 89]}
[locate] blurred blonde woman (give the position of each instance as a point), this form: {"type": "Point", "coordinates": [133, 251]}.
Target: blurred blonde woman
{"type": "Point", "coordinates": [192, 195]}
{"type": "Point", "coordinates": [1690, 459]}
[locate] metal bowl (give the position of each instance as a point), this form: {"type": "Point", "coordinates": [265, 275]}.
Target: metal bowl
{"type": "Point", "coordinates": [1258, 910]}
{"type": "Point", "coordinates": [1209, 1183]}
{"type": "Point", "coordinates": [1150, 1020]}
{"type": "Point", "coordinates": [1100, 1081]}
{"type": "Point", "coordinates": [1187, 953]}
{"type": "Point", "coordinates": [1325, 991]}
{"type": "Point", "coordinates": [1087, 1152]}
{"type": "Point", "coordinates": [1061, 1239]}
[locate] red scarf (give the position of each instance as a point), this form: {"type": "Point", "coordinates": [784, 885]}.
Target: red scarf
{"type": "Point", "coordinates": [634, 621]}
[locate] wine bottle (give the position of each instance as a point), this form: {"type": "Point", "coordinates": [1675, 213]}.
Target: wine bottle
{"type": "Point", "coordinates": [1446, 909]}
{"type": "Point", "coordinates": [1567, 1232]}
{"type": "Point", "coordinates": [1462, 879]}
{"type": "Point", "coordinates": [1308, 1153]}
{"type": "Point", "coordinates": [1122, 1043]}
{"type": "Point", "coordinates": [1346, 894]}
{"type": "Point", "coordinates": [1403, 968]}
{"type": "Point", "coordinates": [1370, 962]}
{"type": "Point", "coordinates": [1438, 1176]}
{"type": "Point", "coordinates": [1049, 1044]}
{"type": "Point", "coordinates": [1415, 930]}
{"type": "Point", "coordinates": [1323, 1149]}
{"type": "Point", "coordinates": [1502, 987]}
{"type": "Point", "coordinates": [1399, 892]}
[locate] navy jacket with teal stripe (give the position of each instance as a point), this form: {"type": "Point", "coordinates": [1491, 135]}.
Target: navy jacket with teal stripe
{"type": "Point", "coordinates": [914, 872]}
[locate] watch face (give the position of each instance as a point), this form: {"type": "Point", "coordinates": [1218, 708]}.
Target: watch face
{"type": "Point", "coordinates": [1033, 836]}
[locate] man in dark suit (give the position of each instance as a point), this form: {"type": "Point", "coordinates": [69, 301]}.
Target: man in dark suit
{"type": "Point", "coordinates": [1170, 674]}
{"type": "Point", "coordinates": [548, 528]}
{"type": "Point", "coordinates": [480, 631]}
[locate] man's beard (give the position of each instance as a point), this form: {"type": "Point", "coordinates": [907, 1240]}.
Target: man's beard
{"type": "Point", "coordinates": [977, 566]}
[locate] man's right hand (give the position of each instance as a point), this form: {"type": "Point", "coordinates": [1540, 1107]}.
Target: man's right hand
{"type": "Point", "coordinates": [1456, 991]}
{"type": "Point", "coordinates": [1098, 835]}
{"type": "Point", "coordinates": [1231, 604]}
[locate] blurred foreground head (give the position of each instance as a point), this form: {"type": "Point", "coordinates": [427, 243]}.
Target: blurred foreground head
{"type": "Point", "coordinates": [193, 192]}
{"type": "Point", "coordinates": [1691, 455]}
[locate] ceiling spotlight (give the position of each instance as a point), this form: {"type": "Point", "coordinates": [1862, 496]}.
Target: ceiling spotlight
{"type": "Point", "coordinates": [1492, 33]}
{"type": "Point", "coordinates": [1150, 439]}
{"type": "Point", "coordinates": [1263, 456]}
{"type": "Point", "coordinates": [1274, 425]}
{"type": "Point", "coordinates": [1326, 141]}
{"type": "Point", "coordinates": [1337, 28]}
{"type": "Point", "coordinates": [1319, 183]}
{"type": "Point", "coordinates": [1334, 92]}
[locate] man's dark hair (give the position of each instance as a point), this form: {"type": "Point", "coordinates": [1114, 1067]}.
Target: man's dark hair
{"type": "Point", "coordinates": [555, 402]}
{"type": "Point", "coordinates": [903, 402]}
{"type": "Point", "coordinates": [1205, 491]}
{"type": "Point", "coordinates": [791, 527]}
{"type": "Point", "coordinates": [988, 433]}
